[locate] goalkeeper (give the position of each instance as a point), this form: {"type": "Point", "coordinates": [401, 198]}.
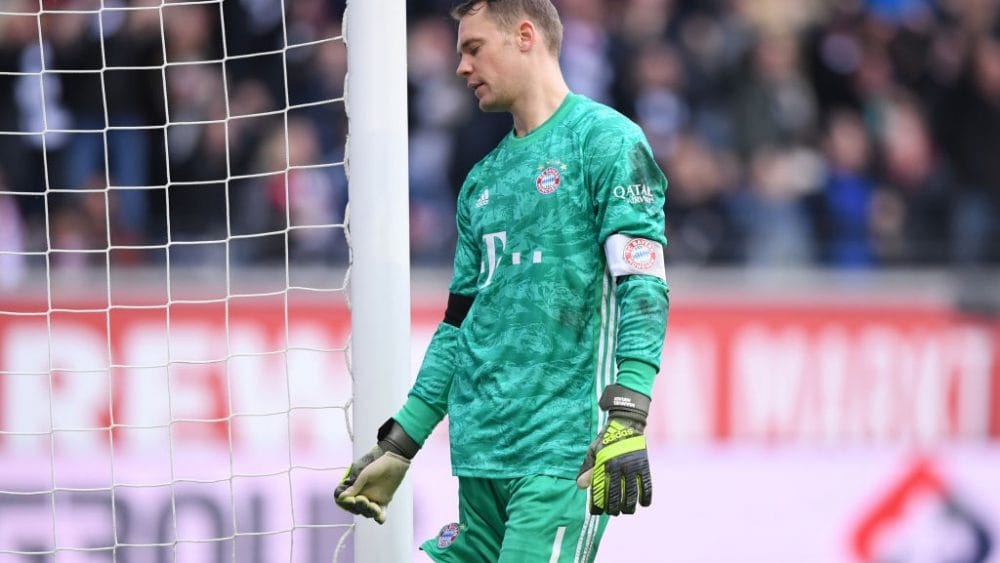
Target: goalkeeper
{"type": "Point", "coordinates": [554, 327]}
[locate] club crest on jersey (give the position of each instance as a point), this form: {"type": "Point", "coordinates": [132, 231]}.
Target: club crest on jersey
{"type": "Point", "coordinates": [640, 254]}
{"type": "Point", "coordinates": [549, 176]}
{"type": "Point", "coordinates": [448, 535]}
{"type": "Point", "coordinates": [548, 181]}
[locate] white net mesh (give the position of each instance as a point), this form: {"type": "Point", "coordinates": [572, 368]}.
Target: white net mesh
{"type": "Point", "coordinates": [173, 274]}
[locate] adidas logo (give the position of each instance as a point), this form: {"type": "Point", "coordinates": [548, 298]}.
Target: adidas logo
{"type": "Point", "coordinates": [484, 199]}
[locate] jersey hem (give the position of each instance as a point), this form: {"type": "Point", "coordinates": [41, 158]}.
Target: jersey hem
{"type": "Point", "coordinates": [507, 473]}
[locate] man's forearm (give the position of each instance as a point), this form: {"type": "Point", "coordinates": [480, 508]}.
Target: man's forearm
{"type": "Point", "coordinates": [428, 399]}
{"type": "Point", "coordinates": [643, 303]}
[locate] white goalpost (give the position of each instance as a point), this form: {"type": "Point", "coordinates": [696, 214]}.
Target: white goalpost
{"type": "Point", "coordinates": [375, 33]}
{"type": "Point", "coordinates": [198, 333]}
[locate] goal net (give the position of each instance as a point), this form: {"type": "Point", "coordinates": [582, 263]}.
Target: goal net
{"type": "Point", "coordinates": [192, 323]}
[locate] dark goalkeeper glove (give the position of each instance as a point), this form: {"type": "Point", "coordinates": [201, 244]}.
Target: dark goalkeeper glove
{"type": "Point", "coordinates": [616, 468]}
{"type": "Point", "coordinates": [370, 482]}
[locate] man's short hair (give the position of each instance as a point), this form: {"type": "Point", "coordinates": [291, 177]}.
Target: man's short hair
{"type": "Point", "coordinates": [506, 13]}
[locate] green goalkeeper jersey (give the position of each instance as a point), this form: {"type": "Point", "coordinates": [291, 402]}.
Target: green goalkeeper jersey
{"type": "Point", "coordinates": [520, 378]}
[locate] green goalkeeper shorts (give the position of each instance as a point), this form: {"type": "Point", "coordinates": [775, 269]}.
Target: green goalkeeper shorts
{"type": "Point", "coordinates": [524, 520]}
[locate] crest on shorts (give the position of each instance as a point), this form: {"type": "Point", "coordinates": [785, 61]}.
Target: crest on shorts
{"type": "Point", "coordinates": [448, 535]}
{"type": "Point", "coordinates": [640, 254]}
{"type": "Point", "coordinates": [549, 178]}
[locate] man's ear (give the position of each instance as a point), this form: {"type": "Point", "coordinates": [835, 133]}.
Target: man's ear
{"type": "Point", "coordinates": [526, 35]}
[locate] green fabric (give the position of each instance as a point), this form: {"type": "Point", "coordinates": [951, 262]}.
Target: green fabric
{"type": "Point", "coordinates": [418, 418]}
{"type": "Point", "coordinates": [538, 346]}
{"type": "Point", "coordinates": [520, 520]}
{"type": "Point", "coordinates": [433, 380]}
{"type": "Point", "coordinates": [636, 375]}
{"type": "Point", "coordinates": [642, 322]}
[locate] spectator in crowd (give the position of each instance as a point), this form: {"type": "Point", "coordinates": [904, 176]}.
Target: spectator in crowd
{"type": "Point", "coordinates": [773, 212]}
{"type": "Point", "coordinates": [912, 171]}
{"type": "Point", "coordinates": [136, 115]}
{"type": "Point", "coordinates": [658, 106]}
{"type": "Point", "coordinates": [970, 133]}
{"type": "Point", "coordinates": [16, 33]}
{"type": "Point", "coordinates": [711, 50]}
{"type": "Point", "coordinates": [39, 108]}
{"type": "Point", "coordinates": [71, 41]}
{"type": "Point", "coordinates": [775, 105]}
{"type": "Point", "coordinates": [197, 153]}
{"type": "Point", "coordinates": [700, 222]}
{"type": "Point", "coordinates": [438, 103]}
{"type": "Point", "coordinates": [847, 193]}
{"type": "Point", "coordinates": [313, 198]}
{"type": "Point", "coordinates": [586, 56]}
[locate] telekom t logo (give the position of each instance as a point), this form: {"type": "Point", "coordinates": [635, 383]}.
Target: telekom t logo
{"type": "Point", "coordinates": [491, 253]}
{"type": "Point", "coordinates": [493, 258]}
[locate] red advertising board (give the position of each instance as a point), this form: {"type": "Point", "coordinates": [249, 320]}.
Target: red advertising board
{"type": "Point", "coordinates": [829, 373]}
{"type": "Point", "coordinates": [768, 373]}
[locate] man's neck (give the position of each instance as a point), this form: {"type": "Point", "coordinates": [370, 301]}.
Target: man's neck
{"type": "Point", "coordinates": [539, 102]}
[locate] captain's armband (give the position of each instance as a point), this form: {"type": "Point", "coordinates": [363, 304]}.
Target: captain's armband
{"type": "Point", "coordinates": [634, 256]}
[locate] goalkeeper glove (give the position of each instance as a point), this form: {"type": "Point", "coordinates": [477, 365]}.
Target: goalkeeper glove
{"type": "Point", "coordinates": [616, 468]}
{"type": "Point", "coordinates": [370, 482]}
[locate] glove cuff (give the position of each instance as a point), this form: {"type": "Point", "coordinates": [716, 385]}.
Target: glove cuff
{"type": "Point", "coordinates": [622, 402]}
{"type": "Point", "coordinates": [392, 438]}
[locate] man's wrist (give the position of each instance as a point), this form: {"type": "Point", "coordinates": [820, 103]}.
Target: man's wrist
{"type": "Point", "coordinates": [636, 375]}
{"type": "Point", "coordinates": [621, 402]}
{"type": "Point", "coordinates": [392, 438]}
{"type": "Point", "coordinates": [418, 418]}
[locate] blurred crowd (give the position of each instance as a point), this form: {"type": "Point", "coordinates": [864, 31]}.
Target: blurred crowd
{"type": "Point", "coordinates": [842, 133]}
{"type": "Point", "coordinates": [180, 145]}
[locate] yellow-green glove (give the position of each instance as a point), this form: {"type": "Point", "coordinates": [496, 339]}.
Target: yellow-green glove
{"type": "Point", "coordinates": [372, 480]}
{"type": "Point", "coordinates": [616, 467]}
